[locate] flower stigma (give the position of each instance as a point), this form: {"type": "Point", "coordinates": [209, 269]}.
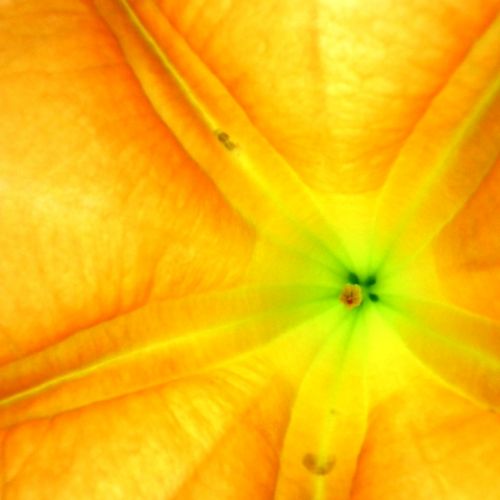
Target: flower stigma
{"type": "Point", "coordinates": [351, 296]}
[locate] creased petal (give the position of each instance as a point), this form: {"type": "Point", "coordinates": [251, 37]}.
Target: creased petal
{"type": "Point", "coordinates": [426, 442]}
{"type": "Point", "coordinates": [336, 87]}
{"type": "Point", "coordinates": [200, 435]}
{"type": "Point", "coordinates": [446, 159]}
{"type": "Point", "coordinates": [461, 348]}
{"type": "Point", "coordinates": [101, 209]}
{"type": "Point", "coordinates": [468, 249]}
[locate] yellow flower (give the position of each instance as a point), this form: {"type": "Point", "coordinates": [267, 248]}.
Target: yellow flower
{"type": "Point", "coordinates": [193, 198]}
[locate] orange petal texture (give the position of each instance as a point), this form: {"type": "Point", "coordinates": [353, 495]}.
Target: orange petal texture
{"type": "Point", "coordinates": [186, 190]}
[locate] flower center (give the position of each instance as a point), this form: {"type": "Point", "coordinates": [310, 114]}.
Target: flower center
{"type": "Point", "coordinates": [351, 296]}
{"type": "Point", "coordinates": [352, 293]}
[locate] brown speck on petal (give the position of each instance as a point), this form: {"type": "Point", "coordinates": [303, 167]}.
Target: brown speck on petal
{"type": "Point", "coordinates": [317, 465]}
{"type": "Point", "coordinates": [225, 140]}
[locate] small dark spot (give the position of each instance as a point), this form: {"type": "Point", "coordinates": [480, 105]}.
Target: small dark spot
{"type": "Point", "coordinates": [353, 279]}
{"type": "Point", "coordinates": [370, 281]}
{"type": "Point", "coordinates": [224, 139]}
{"type": "Point", "coordinates": [315, 465]}
{"type": "Point", "coordinates": [373, 297]}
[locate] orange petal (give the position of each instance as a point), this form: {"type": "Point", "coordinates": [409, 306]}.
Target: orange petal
{"type": "Point", "coordinates": [205, 435]}
{"type": "Point", "coordinates": [101, 208]}
{"type": "Point", "coordinates": [446, 159]}
{"type": "Point", "coordinates": [426, 442]}
{"type": "Point", "coordinates": [335, 87]}
{"type": "Point", "coordinates": [468, 249]}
